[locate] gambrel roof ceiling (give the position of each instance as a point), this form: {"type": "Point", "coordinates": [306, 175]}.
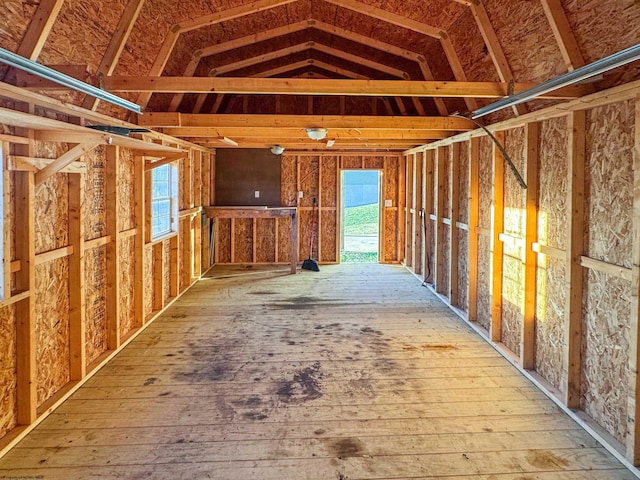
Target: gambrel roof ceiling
{"type": "Point", "coordinates": [383, 52]}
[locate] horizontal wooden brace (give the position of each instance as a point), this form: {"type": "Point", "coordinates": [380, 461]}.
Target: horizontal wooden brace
{"type": "Point", "coordinates": [549, 251]}
{"type": "Point", "coordinates": [248, 212]}
{"type": "Point", "coordinates": [132, 232]}
{"type": "Point", "coordinates": [189, 212]}
{"type": "Point", "coordinates": [53, 255]}
{"type": "Point", "coordinates": [168, 159]}
{"type": "Point", "coordinates": [16, 266]}
{"type": "Point", "coordinates": [608, 268]}
{"type": "Point", "coordinates": [175, 119]}
{"type": "Point", "coordinates": [97, 242]}
{"type": "Point", "coordinates": [14, 139]}
{"type": "Point", "coordinates": [33, 164]}
{"type": "Point", "coordinates": [15, 298]}
{"type": "Point", "coordinates": [303, 86]}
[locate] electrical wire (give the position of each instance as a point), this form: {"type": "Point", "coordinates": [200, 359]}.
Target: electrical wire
{"type": "Point", "coordinates": [504, 153]}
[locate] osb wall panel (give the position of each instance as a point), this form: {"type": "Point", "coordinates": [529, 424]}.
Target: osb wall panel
{"type": "Point", "coordinates": [126, 194]}
{"type": "Point", "coordinates": [8, 378]}
{"type": "Point", "coordinates": [284, 239]}
{"type": "Point", "coordinates": [446, 176]}
{"type": "Point", "coordinates": [549, 327]}
{"type": "Point", "coordinates": [390, 240]}
{"type": "Point", "coordinates": [51, 209]}
{"type": "Point", "coordinates": [609, 182]}
{"type": "Point", "coordinates": [243, 240]}
{"type": "Point", "coordinates": [485, 179]}
{"type": "Point", "coordinates": [605, 352]}
{"type": "Point", "coordinates": [95, 287]}
{"type": "Point", "coordinates": [463, 183]}
{"type": "Point", "coordinates": [184, 262]}
{"type": "Point", "coordinates": [446, 255]}
{"type": "Point", "coordinates": [166, 273]}
{"type": "Point", "coordinates": [607, 300]}
{"type": "Point", "coordinates": [329, 173]}
{"type": "Point", "coordinates": [128, 322]}
{"type": "Point", "coordinates": [512, 296]}
{"type": "Point", "coordinates": [223, 240]}
{"type": "Point", "coordinates": [374, 162]}
{"type": "Point", "coordinates": [329, 235]}
{"type": "Point", "coordinates": [304, 235]}
{"type": "Point", "coordinates": [552, 230]}
{"type": "Point", "coordinates": [484, 279]}
{"type": "Point", "coordinates": [309, 170]}
{"type": "Point", "coordinates": [289, 183]}
{"type": "Point", "coordinates": [148, 280]}
{"type": "Point", "coordinates": [553, 183]}
{"type": "Point", "coordinates": [52, 327]}
{"type": "Point", "coordinates": [485, 183]}
{"type": "Point", "coordinates": [94, 194]}
{"type": "Point", "coordinates": [463, 270]}
{"type": "Point", "coordinates": [349, 163]}
{"type": "Point", "coordinates": [391, 215]}
{"type": "Point", "coordinates": [265, 240]}
{"type": "Point", "coordinates": [514, 224]}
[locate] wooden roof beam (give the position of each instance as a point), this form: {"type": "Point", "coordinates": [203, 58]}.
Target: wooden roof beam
{"type": "Point", "coordinates": [170, 119]}
{"type": "Point", "coordinates": [196, 134]}
{"type": "Point", "coordinates": [564, 34]}
{"type": "Point", "coordinates": [233, 44]}
{"type": "Point", "coordinates": [298, 86]}
{"type": "Point", "coordinates": [495, 49]}
{"type": "Point", "coordinates": [39, 28]}
{"type": "Point", "coordinates": [410, 24]}
{"type": "Point", "coordinates": [388, 17]}
{"type": "Point", "coordinates": [172, 37]}
{"type": "Point", "coordinates": [116, 46]}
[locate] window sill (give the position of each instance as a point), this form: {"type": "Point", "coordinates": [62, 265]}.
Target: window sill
{"type": "Point", "coordinates": [162, 238]}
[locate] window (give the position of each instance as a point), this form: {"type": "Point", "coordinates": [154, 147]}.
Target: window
{"type": "Point", "coordinates": [164, 200]}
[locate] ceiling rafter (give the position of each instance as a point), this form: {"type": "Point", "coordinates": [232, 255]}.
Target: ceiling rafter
{"type": "Point", "coordinates": [563, 33]}
{"type": "Point", "coordinates": [39, 28]}
{"type": "Point", "coordinates": [410, 24]}
{"type": "Point", "coordinates": [321, 48]}
{"type": "Point", "coordinates": [270, 34]}
{"type": "Point", "coordinates": [172, 37]}
{"type": "Point", "coordinates": [116, 45]}
{"type": "Point", "coordinates": [319, 25]}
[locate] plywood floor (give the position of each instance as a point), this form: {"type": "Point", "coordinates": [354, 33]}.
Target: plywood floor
{"type": "Point", "coordinates": [355, 372]}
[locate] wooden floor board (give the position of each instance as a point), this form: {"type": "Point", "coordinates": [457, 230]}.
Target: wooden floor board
{"type": "Point", "coordinates": [353, 372]}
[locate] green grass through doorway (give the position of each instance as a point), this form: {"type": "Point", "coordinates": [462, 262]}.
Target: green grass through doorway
{"type": "Point", "coordinates": [361, 221]}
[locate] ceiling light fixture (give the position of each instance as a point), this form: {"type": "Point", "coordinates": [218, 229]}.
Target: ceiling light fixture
{"type": "Point", "coordinates": [277, 149]}
{"type": "Point", "coordinates": [578, 75]}
{"type": "Point", "coordinates": [47, 73]}
{"type": "Point", "coordinates": [317, 133]}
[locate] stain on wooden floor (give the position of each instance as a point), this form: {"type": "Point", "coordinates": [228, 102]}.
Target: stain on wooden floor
{"type": "Point", "coordinates": [353, 372]}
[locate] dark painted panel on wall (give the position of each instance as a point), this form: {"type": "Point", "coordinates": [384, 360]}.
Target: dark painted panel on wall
{"type": "Point", "coordinates": [242, 172]}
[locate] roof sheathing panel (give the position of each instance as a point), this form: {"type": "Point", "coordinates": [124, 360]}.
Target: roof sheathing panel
{"type": "Point", "coordinates": [437, 13]}
{"type": "Point", "coordinates": [604, 28]}
{"type": "Point", "coordinates": [526, 39]}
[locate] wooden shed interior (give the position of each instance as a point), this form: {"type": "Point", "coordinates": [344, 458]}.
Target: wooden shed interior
{"type": "Point", "coordinates": [548, 274]}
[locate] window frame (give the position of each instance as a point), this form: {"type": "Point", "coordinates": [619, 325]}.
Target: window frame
{"type": "Point", "coordinates": [173, 202]}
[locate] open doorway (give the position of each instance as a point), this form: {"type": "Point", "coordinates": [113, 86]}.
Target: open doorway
{"type": "Point", "coordinates": [360, 223]}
